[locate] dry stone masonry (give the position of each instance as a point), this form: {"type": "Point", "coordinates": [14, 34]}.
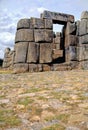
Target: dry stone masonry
{"type": "Point", "coordinates": [37, 48]}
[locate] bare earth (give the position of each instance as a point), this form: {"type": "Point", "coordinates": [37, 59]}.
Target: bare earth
{"type": "Point", "coordinates": [44, 101]}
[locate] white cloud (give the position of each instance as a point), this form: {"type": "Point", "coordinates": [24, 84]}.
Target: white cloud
{"type": "Point", "coordinates": [41, 9]}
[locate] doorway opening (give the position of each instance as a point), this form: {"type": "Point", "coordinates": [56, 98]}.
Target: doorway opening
{"type": "Point", "coordinates": [58, 42]}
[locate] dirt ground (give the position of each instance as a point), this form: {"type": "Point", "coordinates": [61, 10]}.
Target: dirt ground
{"type": "Point", "coordinates": [44, 101]}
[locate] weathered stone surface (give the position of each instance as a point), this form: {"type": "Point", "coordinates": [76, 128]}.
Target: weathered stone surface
{"type": "Point", "coordinates": [24, 35]}
{"type": "Point", "coordinates": [45, 53]}
{"type": "Point", "coordinates": [71, 40]}
{"type": "Point", "coordinates": [57, 40]}
{"type": "Point", "coordinates": [57, 46]}
{"type": "Point", "coordinates": [37, 23]}
{"type": "Point", "coordinates": [23, 23]}
{"type": "Point", "coordinates": [82, 53]}
{"type": "Point", "coordinates": [83, 39]}
{"type": "Point", "coordinates": [77, 27]}
{"type": "Point", "coordinates": [83, 27]}
{"type": "Point", "coordinates": [70, 28]}
{"type": "Point", "coordinates": [62, 67]}
{"type": "Point", "coordinates": [43, 35]}
{"type": "Point", "coordinates": [84, 15]}
{"type": "Point", "coordinates": [33, 52]}
{"type": "Point", "coordinates": [35, 67]}
{"type": "Point", "coordinates": [46, 67]}
{"type": "Point", "coordinates": [20, 68]}
{"type": "Point", "coordinates": [48, 35]}
{"type": "Point", "coordinates": [21, 52]}
{"type": "Point", "coordinates": [48, 24]}
{"type": "Point", "coordinates": [71, 53]}
{"type": "Point", "coordinates": [39, 35]}
{"type": "Point", "coordinates": [60, 17]}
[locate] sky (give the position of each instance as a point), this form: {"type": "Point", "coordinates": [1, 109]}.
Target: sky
{"type": "Point", "coordinates": [11, 11]}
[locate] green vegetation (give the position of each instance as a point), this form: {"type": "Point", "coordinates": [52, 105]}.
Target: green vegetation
{"type": "Point", "coordinates": [55, 127]}
{"type": "Point", "coordinates": [25, 101]}
{"type": "Point", "coordinates": [8, 118]}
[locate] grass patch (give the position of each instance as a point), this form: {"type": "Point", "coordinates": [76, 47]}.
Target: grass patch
{"type": "Point", "coordinates": [42, 98]}
{"type": "Point", "coordinates": [8, 119]}
{"type": "Point", "coordinates": [55, 127]}
{"type": "Point", "coordinates": [25, 101]}
{"type": "Point", "coordinates": [62, 117]}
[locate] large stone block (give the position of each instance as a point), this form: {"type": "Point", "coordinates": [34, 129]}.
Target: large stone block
{"type": "Point", "coordinates": [23, 23]}
{"type": "Point", "coordinates": [70, 28]}
{"type": "Point", "coordinates": [24, 35]}
{"type": "Point", "coordinates": [60, 17]}
{"type": "Point", "coordinates": [71, 40]}
{"type": "Point", "coordinates": [37, 23]}
{"type": "Point", "coordinates": [20, 68]}
{"type": "Point", "coordinates": [39, 35]}
{"type": "Point", "coordinates": [21, 52]}
{"type": "Point", "coordinates": [71, 53]}
{"type": "Point", "coordinates": [45, 53]}
{"type": "Point", "coordinates": [83, 27]}
{"type": "Point", "coordinates": [57, 53]}
{"type": "Point", "coordinates": [84, 15]}
{"type": "Point", "coordinates": [48, 35]}
{"type": "Point", "coordinates": [82, 53]}
{"type": "Point", "coordinates": [77, 27]}
{"type": "Point", "coordinates": [33, 52]}
{"type": "Point", "coordinates": [46, 67]}
{"type": "Point", "coordinates": [48, 24]}
{"type": "Point", "coordinates": [43, 35]}
{"type": "Point", "coordinates": [83, 39]}
{"type": "Point", "coordinates": [35, 67]}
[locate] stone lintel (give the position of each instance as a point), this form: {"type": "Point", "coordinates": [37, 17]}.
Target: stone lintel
{"type": "Point", "coordinates": [60, 18]}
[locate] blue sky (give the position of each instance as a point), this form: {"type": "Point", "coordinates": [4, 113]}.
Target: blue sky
{"type": "Point", "coordinates": [13, 10]}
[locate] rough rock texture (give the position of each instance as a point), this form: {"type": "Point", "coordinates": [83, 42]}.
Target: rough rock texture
{"type": "Point", "coordinates": [42, 49]}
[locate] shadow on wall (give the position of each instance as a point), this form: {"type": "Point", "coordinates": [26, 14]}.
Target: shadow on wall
{"type": "Point", "coordinates": [1, 62]}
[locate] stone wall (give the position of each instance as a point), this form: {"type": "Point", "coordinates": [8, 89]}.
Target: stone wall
{"type": "Point", "coordinates": [37, 48]}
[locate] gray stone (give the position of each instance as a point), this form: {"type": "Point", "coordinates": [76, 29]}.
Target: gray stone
{"type": "Point", "coordinates": [48, 24]}
{"type": "Point", "coordinates": [73, 53]}
{"type": "Point", "coordinates": [33, 52]}
{"type": "Point", "coordinates": [37, 23]}
{"type": "Point", "coordinates": [77, 27]}
{"type": "Point", "coordinates": [82, 53]}
{"type": "Point", "coordinates": [35, 67]}
{"type": "Point", "coordinates": [23, 23]}
{"type": "Point", "coordinates": [58, 34]}
{"type": "Point", "coordinates": [46, 67]}
{"type": "Point", "coordinates": [57, 53]}
{"type": "Point", "coordinates": [45, 53]}
{"type": "Point", "coordinates": [83, 27]}
{"type": "Point", "coordinates": [71, 40]}
{"type": "Point", "coordinates": [72, 128]}
{"type": "Point", "coordinates": [43, 35]}
{"type": "Point", "coordinates": [48, 35]}
{"type": "Point", "coordinates": [21, 52]}
{"type": "Point", "coordinates": [60, 17]}
{"type": "Point", "coordinates": [83, 39]}
{"type": "Point", "coordinates": [39, 35]}
{"type": "Point", "coordinates": [24, 35]}
{"type": "Point", "coordinates": [84, 15]}
{"type": "Point", "coordinates": [70, 28]}
{"type": "Point", "coordinates": [20, 68]}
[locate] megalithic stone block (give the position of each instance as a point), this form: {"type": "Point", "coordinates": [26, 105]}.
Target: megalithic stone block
{"type": "Point", "coordinates": [23, 23]}
{"type": "Point", "coordinates": [21, 52]}
{"type": "Point", "coordinates": [37, 23]}
{"type": "Point", "coordinates": [33, 52]}
{"type": "Point", "coordinates": [71, 40]}
{"type": "Point", "coordinates": [45, 53]}
{"type": "Point", "coordinates": [70, 28]}
{"type": "Point", "coordinates": [83, 27]}
{"type": "Point", "coordinates": [83, 39]}
{"type": "Point", "coordinates": [24, 35]}
{"type": "Point", "coordinates": [35, 67]}
{"type": "Point", "coordinates": [42, 35]}
{"type": "Point", "coordinates": [48, 24]}
{"type": "Point", "coordinates": [20, 68]}
{"type": "Point", "coordinates": [57, 16]}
